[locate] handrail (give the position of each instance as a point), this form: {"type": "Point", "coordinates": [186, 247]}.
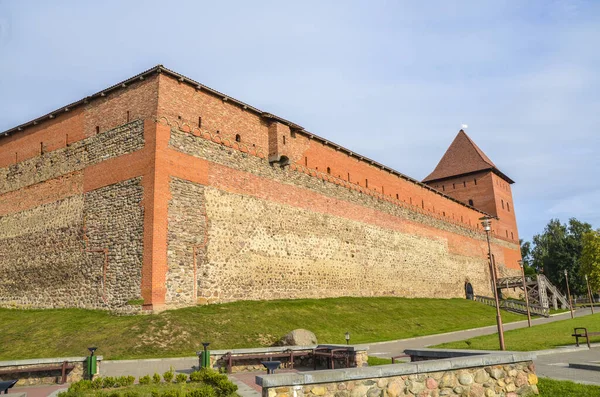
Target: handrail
{"type": "Point", "coordinates": [513, 305]}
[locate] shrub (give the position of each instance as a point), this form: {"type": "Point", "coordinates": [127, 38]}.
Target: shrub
{"type": "Point", "coordinates": [144, 380]}
{"type": "Point", "coordinates": [225, 387]}
{"type": "Point", "coordinates": [108, 382]}
{"type": "Point", "coordinates": [156, 378]}
{"type": "Point", "coordinates": [181, 378]}
{"type": "Point", "coordinates": [114, 394]}
{"type": "Point", "coordinates": [204, 391]}
{"type": "Point", "coordinates": [196, 376]}
{"type": "Point", "coordinates": [171, 393]}
{"type": "Point", "coordinates": [131, 393]}
{"type": "Point", "coordinates": [124, 381]}
{"type": "Point", "coordinates": [169, 375]}
{"type": "Point", "coordinates": [155, 393]}
{"type": "Point", "coordinates": [97, 383]}
{"type": "Point", "coordinates": [80, 386]}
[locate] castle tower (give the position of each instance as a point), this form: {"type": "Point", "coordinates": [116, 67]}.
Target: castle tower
{"type": "Point", "coordinates": [467, 174]}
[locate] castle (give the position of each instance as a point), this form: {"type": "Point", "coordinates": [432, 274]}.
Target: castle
{"type": "Point", "coordinates": [162, 189]}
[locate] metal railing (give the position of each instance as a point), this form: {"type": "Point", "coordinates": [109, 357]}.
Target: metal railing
{"type": "Point", "coordinates": [514, 306]}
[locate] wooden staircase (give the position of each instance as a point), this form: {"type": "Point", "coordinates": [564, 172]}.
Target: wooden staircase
{"type": "Point", "coordinates": [539, 290]}
{"type": "Point", "coordinates": [514, 306]}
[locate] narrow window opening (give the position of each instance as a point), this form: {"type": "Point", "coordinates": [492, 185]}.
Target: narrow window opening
{"type": "Point", "coordinates": [502, 201]}
{"type": "Point", "coordinates": [471, 202]}
{"type": "Point", "coordinates": [348, 177]}
{"type": "Point", "coordinates": [218, 131]}
{"type": "Point", "coordinates": [66, 139]}
{"type": "Point", "coordinates": [475, 181]}
{"type": "Point", "coordinates": [128, 116]}
{"type": "Point", "coordinates": [199, 122]}
{"type": "Point", "coordinates": [464, 184]}
{"type": "Point", "coordinates": [306, 161]}
{"type": "Point", "coordinates": [16, 157]}
{"type": "Point", "coordinates": [507, 207]}
{"type": "Point", "coordinates": [328, 170]}
{"type": "Point", "coordinates": [284, 139]}
{"type": "Point", "coordinates": [507, 234]}
{"type": "Point", "coordinates": [443, 188]}
{"type": "Point", "coordinates": [97, 129]}
{"type": "Point", "coordinates": [512, 237]}
{"type": "Point", "coordinates": [397, 196]}
{"type": "Point", "coordinates": [41, 147]}
{"type": "Point", "coordinates": [461, 218]}
{"type": "Point", "coordinates": [366, 183]}
{"type": "Point", "coordinates": [444, 213]}
{"type": "Point", "coordinates": [238, 138]}
{"type": "Point", "coordinates": [422, 204]}
{"type": "Point", "coordinates": [382, 190]}
{"type": "Point", "coordinates": [411, 200]}
{"type": "Point", "coordinates": [453, 186]}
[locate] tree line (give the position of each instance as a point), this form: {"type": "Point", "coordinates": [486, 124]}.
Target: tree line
{"type": "Point", "coordinates": [573, 246]}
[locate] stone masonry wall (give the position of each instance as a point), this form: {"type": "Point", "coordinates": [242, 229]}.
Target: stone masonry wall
{"type": "Point", "coordinates": [509, 380]}
{"type": "Point", "coordinates": [261, 245]}
{"type": "Point", "coordinates": [186, 235]}
{"type": "Point", "coordinates": [113, 143]}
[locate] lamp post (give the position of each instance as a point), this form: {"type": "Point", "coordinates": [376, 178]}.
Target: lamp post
{"type": "Point", "coordinates": [526, 294]}
{"type": "Point", "coordinates": [569, 292]}
{"type": "Point", "coordinates": [486, 223]}
{"type": "Point", "coordinates": [347, 336]}
{"type": "Point", "coordinates": [589, 293]}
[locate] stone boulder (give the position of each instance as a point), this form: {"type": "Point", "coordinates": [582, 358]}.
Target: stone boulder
{"type": "Point", "coordinates": [298, 337]}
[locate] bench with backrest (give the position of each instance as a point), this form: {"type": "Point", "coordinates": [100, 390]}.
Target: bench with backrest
{"type": "Point", "coordinates": [289, 354]}
{"type": "Point", "coordinates": [331, 354]}
{"type": "Point", "coordinates": [583, 333]}
{"type": "Point", "coordinates": [64, 367]}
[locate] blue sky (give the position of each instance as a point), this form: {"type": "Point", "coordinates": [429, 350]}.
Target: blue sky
{"type": "Point", "coordinates": [390, 80]}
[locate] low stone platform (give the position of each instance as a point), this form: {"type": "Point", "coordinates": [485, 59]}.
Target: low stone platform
{"type": "Point", "coordinates": [591, 366]}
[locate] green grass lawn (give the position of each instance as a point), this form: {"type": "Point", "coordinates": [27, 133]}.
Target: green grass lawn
{"type": "Point", "coordinates": [176, 333]}
{"type": "Point", "coordinates": [555, 388]}
{"type": "Point", "coordinates": [538, 337]}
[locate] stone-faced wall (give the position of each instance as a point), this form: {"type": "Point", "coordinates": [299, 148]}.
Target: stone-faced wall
{"type": "Point", "coordinates": [490, 375]}
{"type": "Point", "coordinates": [278, 233]}
{"type": "Point", "coordinates": [53, 232]}
{"type": "Point", "coordinates": [187, 235]}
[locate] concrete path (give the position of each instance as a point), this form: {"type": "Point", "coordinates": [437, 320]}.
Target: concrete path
{"type": "Point", "coordinates": [555, 364]}
{"type": "Point", "coordinates": [394, 348]}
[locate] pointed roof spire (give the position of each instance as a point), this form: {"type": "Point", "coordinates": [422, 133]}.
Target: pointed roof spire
{"type": "Point", "coordinates": [463, 157]}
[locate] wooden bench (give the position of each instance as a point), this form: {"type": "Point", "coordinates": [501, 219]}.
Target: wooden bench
{"type": "Point", "coordinates": [61, 367]}
{"type": "Point", "coordinates": [399, 357]}
{"type": "Point", "coordinates": [289, 354]}
{"type": "Point", "coordinates": [585, 334]}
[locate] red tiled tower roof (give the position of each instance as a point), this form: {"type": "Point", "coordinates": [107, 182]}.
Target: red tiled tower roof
{"type": "Point", "coordinates": [463, 157]}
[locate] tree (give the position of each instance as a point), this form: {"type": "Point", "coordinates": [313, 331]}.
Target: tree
{"type": "Point", "coordinates": [590, 259]}
{"type": "Point", "coordinates": [527, 258]}
{"type": "Point", "coordinates": [558, 249]}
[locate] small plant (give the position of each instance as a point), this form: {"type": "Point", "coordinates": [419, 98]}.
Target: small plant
{"type": "Point", "coordinates": [156, 378]}
{"type": "Point", "coordinates": [80, 386]}
{"type": "Point", "coordinates": [144, 380]}
{"type": "Point", "coordinates": [135, 302]}
{"type": "Point", "coordinates": [155, 393]}
{"type": "Point", "coordinates": [97, 383]}
{"type": "Point", "coordinates": [131, 393]}
{"type": "Point", "coordinates": [108, 382]}
{"type": "Point", "coordinates": [114, 394]}
{"type": "Point", "coordinates": [204, 391]}
{"type": "Point", "coordinates": [196, 376]}
{"type": "Point", "coordinates": [124, 381]}
{"type": "Point", "coordinates": [169, 375]}
{"type": "Point", "coordinates": [181, 378]}
{"type": "Point", "coordinates": [172, 393]}
{"type": "Point", "coordinates": [225, 387]}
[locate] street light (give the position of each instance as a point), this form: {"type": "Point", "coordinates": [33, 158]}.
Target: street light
{"type": "Point", "coordinates": [486, 223]}
{"type": "Point", "coordinates": [526, 294]}
{"type": "Point", "coordinates": [347, 335]}
{"type": "Point", "coordinates": [589, 294]}
{"type": "Point", "coordinates": [569, 292]}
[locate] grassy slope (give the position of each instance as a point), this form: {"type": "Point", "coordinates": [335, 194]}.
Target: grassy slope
{"type": "Point", "coordinates": [538, 337]}
{"type": "Point", "coordinates": [550, 388]}
{"type": "Point", "coordinates": [67, 332]}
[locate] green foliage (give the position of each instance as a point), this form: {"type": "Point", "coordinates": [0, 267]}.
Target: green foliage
{"type": "Point", "coordinates": [124, 381]}
{"type": "Point", "coordinates": [590, 259]}
{"type": "Point", "coordinates": [80, 386]}
{"type": "Point", "coordinates": [527, 258]}
{"type": "Point", "coordinates": [156, 378]}
{"type": "Point", "coordinates": [172, 393]}
{"type": "Point", "coordinates": [196, 376]}
{"type": "Point", "coordinates": [223, 386]}
{"type": "Point", "coordinates": [97, 383]}
{"type": "Point", "coordinates": [550, 387]}
{"type": "Point", "coordinates": [109, 382]}
{"type": "Point", "coordinates": [131, 393]}
{"type": "Point", "coordinates": [135, 302]}
{"type": "Point", "coordinates": [559, 248]}
{"type": "Point", "coordinates": [181, 378]}
{"type": "Point", "coordinates": [169, 375]}
{"type": "Point", "coordinates": [204, 391]}
{"type": "Point", "coordinates": [144, 380]}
